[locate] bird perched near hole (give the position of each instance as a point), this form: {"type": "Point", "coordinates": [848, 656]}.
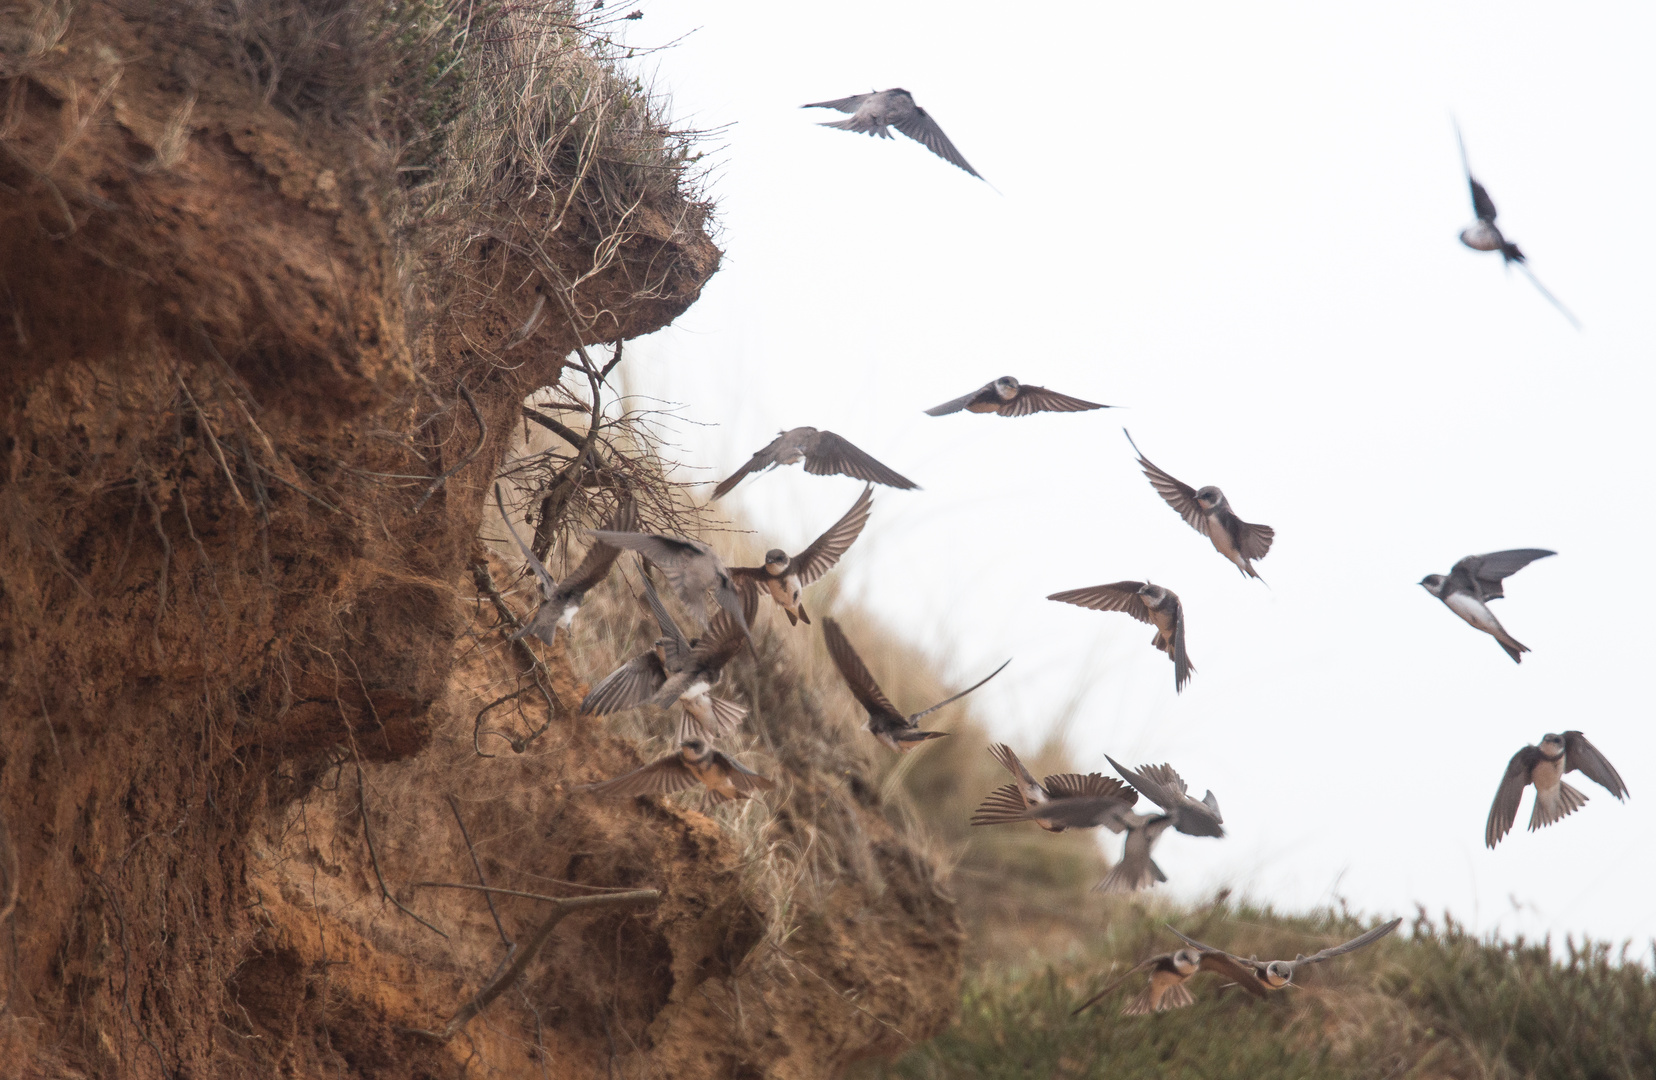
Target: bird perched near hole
{"type": "Point", "coordinates": [784, 577]}
{"type": "Point", "coordinates": [1148, 604]}
{"type": "Point", "coordinates": [1484, 235]}
{"type": "Point", "coordinates": [873, 114]}
{"type": "Point", "coordinates": [694, 762]}
{"type": "Point", "coordinates": [1276, 974]}
{"type": "Point", "coordinates": [824, 454]}
{"type": "Point", "coordinates": [1046, 803]}
{"type": "Point", "coordinates": [897, 731]}
{"type": "Point", "coordinates": [1477, 579]}
{"type": "Point", "coordinates": [1169, 972]}
{"type": "Point", "coordinates": [1206, 510]}
{"type": "Point", "coordinates": [1544, 766]}
{"type": "Point", "coordinates": [560, 600]}
{"type": "Point", "coordinates": [1009, 397]}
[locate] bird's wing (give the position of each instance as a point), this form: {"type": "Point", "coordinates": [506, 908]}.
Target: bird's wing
{"type": "Point", "coordinates": [1489, 571]}
{"type": "Point", "coordinates": [1524, 265]}
{"type": "Point", "coordinates": [1158, 783]}
{"type": "Point", "coordinates": [547, 585]}
{"type": "Point", "coordinates": [1504, 810]}
{"type": "Point", "coordinates": [724, 638]}
{"type": "Point", "coordinates": [856, 674]}
{"type": "Point", "coordinates": [661, 777]}
{"type": "Point", "coordinates": [1482, 204]}
{"type": "Point", "coordinates": [1003, 805]}
{"type": "Point", "coordinates": [845, 104]}
{"type": "Point", "coordinates": [1358, 942]}
{"type": "Point", "coordinates": [1090, 786]}
{"type": "Point", "coordinates": [663, 550]}
{"type": "Point", "coordinates": [1034, 399]}
{"type": "Point", "coordinates": [1134, 970]}
{"type": "Point", "coordinates": [664, 620]}
{"type": "Point", "coordinates": [828, 454]}
{"type": "Point", "coordinates": [1010, 762]}
{"type": "Point", "coordinates": [629, 685]}
{"type": "Point", "coordinates": [759, 460]}
{"type": "Point", "coordinates": [826, 549]}
{"type": "Point", "coordinates": [915, 719]}
{"type": "Point", "coordinates": [743, 778]}
{"type": "Point", "coordinates": [924, 130]}
{"type": "Point", "coordinates": [1254, 540]}
{"type": "Point", "coordinates": [1182, 667]}
{"type": "Point", "coordinates": [1237, 971]}
{"type": "Point", "coordinates": [960, 402]}
{"type": "Point", "coordinates": [1178, 494]}
{"type": "Point", "coordinates": [595, 565]}
{"type": "Point", "coordinates": [1116, 596]}
{"type": "Point", "coordinates": [1583, 755]}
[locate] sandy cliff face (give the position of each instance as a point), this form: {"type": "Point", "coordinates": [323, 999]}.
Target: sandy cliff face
{"type": "Point", "coordinates": [242, 649]}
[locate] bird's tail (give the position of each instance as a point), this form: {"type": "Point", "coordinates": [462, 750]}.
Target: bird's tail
{"type": "Point", "coordinates": [1552, 805]}
{"type": "Point", "coordinates": [1514, 648]}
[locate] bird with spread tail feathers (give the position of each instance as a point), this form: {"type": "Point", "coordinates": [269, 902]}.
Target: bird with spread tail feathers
{"type": "Point", "coordinates": [694, 762]}
{"type": "Point", "coordinates": [1544, 766]}
{"type": "Point", "coordinates": [785, 576]}
{"type": "Point", "coordinates": [1168, 974]}
{"type": "Point", "coordinates": [1262, 975]}
{"type": "Point", "coordinates": [560, 600]}
{"type": "Point", "coordinates": [1477, 579]}
{"type": "Point", "coordinates": [1048, 803]}
{"type": "Point", "coordinates": [1009, 397]}
{"type": "Point", "coordinates": [1206, 510]}
{"type": "Point", "coordinates": [875, 113]}
{"type": "Point", "coordinates": [1148, 604]}
{"type": "Point", "coordinates": [897, 731]}
{"type": "Point", "coordinates": [824, 454]}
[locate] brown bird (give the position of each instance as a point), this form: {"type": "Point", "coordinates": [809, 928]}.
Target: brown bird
{"type": "Point", "coordinates": [691, 568]}
{"type": "Point", "coordinates": [1263, 975]}
{"type": "Point", "coordinates": [1148, 604]}
{"type": "Point", "coordinates": [694, 762]}
{"type": "Point", "coordinates": [901, 733]}
{"type": "Point", "coordinates": [1168, 974]}
{"type": "Point", "coordinates": [1545, 766]}
{"type": "Point", "coordinates": [560, 600]}
{"type": "Point", "coordinates": [1206, 510]}
{"type": "Point", "coordinates": [824, 454]}
{"type": "Point", "coordinates": [1009, 397]}
{"type": "Point", "coordinates": [1024, 798]}
{"type": "Point", "coordinates": [784, 577]}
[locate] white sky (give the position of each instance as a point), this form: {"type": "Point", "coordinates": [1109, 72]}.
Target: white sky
{"type": "Point", "coordinates": [1240, 221]}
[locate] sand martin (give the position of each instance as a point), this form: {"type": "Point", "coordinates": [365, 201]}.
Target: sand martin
{"type": "Point", "coordinates": [874, 113]}
{"type": "Point", "coordinates": [784, 577]}
{"type": "Point", "coordinates": [691, 568]}
{"type": "Point", "coordinates": [1166, 788]}
{"type": "Point", "coordinates": [1168, 974]}
{"type": "Point", "coordinates": [1275, 974]}
{"type": "Point", "coordinates": [1474, 581]}
{"type": "Point", "coordinates": [676, 669]}
{"type": "Point", "coordinates": [1206, 510]}
{"type": "Point", "coordinates": [1484, 235]}
{"type": "Point", "coordinates": [560, 600]}
{"type": "Point", "coordinates": [899, 732]}
{"type": "Point", "coordinates": [1025, 800]}
{"type": "Point", "coordinates": [1148, 604]}
{"type": "Point", "coordinates": [824, 453]}
{"type": "Point", "coordinates": [1545, 766]}
{"type": "Point", "coordinates": [694, 762]}
{"type": "Point", "coordinates": [1009, 397]}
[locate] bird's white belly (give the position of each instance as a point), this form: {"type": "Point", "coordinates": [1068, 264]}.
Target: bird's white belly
{"type": "Point", "coordinates": [1481, 237]}
{"type": "Point", "coordinates": [1473, 611]}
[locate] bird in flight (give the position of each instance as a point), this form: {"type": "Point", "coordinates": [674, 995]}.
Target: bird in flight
{"type": "Point", "coordinates": [1207, 511]}
{"type": "Point", "coordinates": [1168, 974]}
{"type": "Point", "coordinates": [876, 113]}
{"type": "Point", "coordinates": [785, 576]}
{"type": "Point", "coordinates": [824, 454]}
{"type": "Point", "coordinates": [1276, 974]}
{"type": "Point", "coordinates": [560, 600]}
{"type": "Point", "coordinates": [1049, 800]}
{"type": "Point", "coordinates": [694, 762]}
{"type": "Point", "coordinates": [691, 568]}
{"type": "Point", "coordinates": [1545, 766]}
{"type": "Point", "coordinates": [1484, 235]}
{"type": "Point", "coordinates": [1477, 579]}
{"type": "Point", "coordinates": [1148, 604]}
{"type": "Point", "coordinates": [1160, 784]}
{"type": "Point", "coordinates": [897, 731]}
{"type": "Point", "coordinates": [1009, 397]}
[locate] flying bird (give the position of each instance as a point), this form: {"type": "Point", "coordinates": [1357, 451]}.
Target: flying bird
{"type": "Point", "coordinates": [1474, 581]}
{"type": "Point", "coordinates": [560, 600]}
{"type": "Point", "coordinates": [1095, 798]}
{"type": "Point", "coordinates": [1206, 510]}
{"type": "Point", "coordinates": [1148, 604]}
{"type": "Point", "coordinates": [691, 567]}
{"type": "Point", "coordinates": [1545, 766]}
{"type": "Point", "coordinates": [1168, 974]}
{"type": "Point", "coordinates": [1135, 870]}
{"type": "Point", "coordinates": [785, 576]}
{"type": "Point", "coordinates": [694, 762]}
{"type": "Point", "coordinates": [824, 453]}
{"type": "Point", "coordinates": [876, 113]}
{"type": "Point", "coordinates": [676, 669]}
{"type": "Point", "coordinates": [1166, 788]}
{"type": "Point", "coordinates": [1009, 397]}
{"type": "Point", "coordinates": [1276, 974]}
{"type": "Point", "coordinates": [901, 733]}
{"type": "Point", "coordinates": [1484, 235]}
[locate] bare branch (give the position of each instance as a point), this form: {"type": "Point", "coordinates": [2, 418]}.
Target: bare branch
{"type": "Point", "coordinates": [482, 437]}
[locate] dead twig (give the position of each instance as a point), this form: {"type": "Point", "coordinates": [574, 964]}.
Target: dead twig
{"type": "Point", "coordinates": [482, 437]}
{"type": "Point", "coordinates": [454, 805]}
{"type": "Point", "coordinates": [368, 834]}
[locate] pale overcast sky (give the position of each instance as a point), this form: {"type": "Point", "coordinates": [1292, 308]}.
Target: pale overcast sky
{"type": "Point", "coordinates": [1239, 222]}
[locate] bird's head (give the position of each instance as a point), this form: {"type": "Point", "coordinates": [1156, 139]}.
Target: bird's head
{"type": "Point", "coordinates": [693, 748]}
{"type": "Point", "coordinates": [1434, 583]}
{"type": "Point", "coordinates": [776, 561]}
{"type": "Point", "coordinates": [1210, 498]}
{"type": "Point", "coordinates": [1006, 388]}
{"type": "Point", "coordinates": [1154, 595]}
{"type": "Point", "coordinates": [1187, 961]}
{"type": "Point", "coordinates": [1552, 743]}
